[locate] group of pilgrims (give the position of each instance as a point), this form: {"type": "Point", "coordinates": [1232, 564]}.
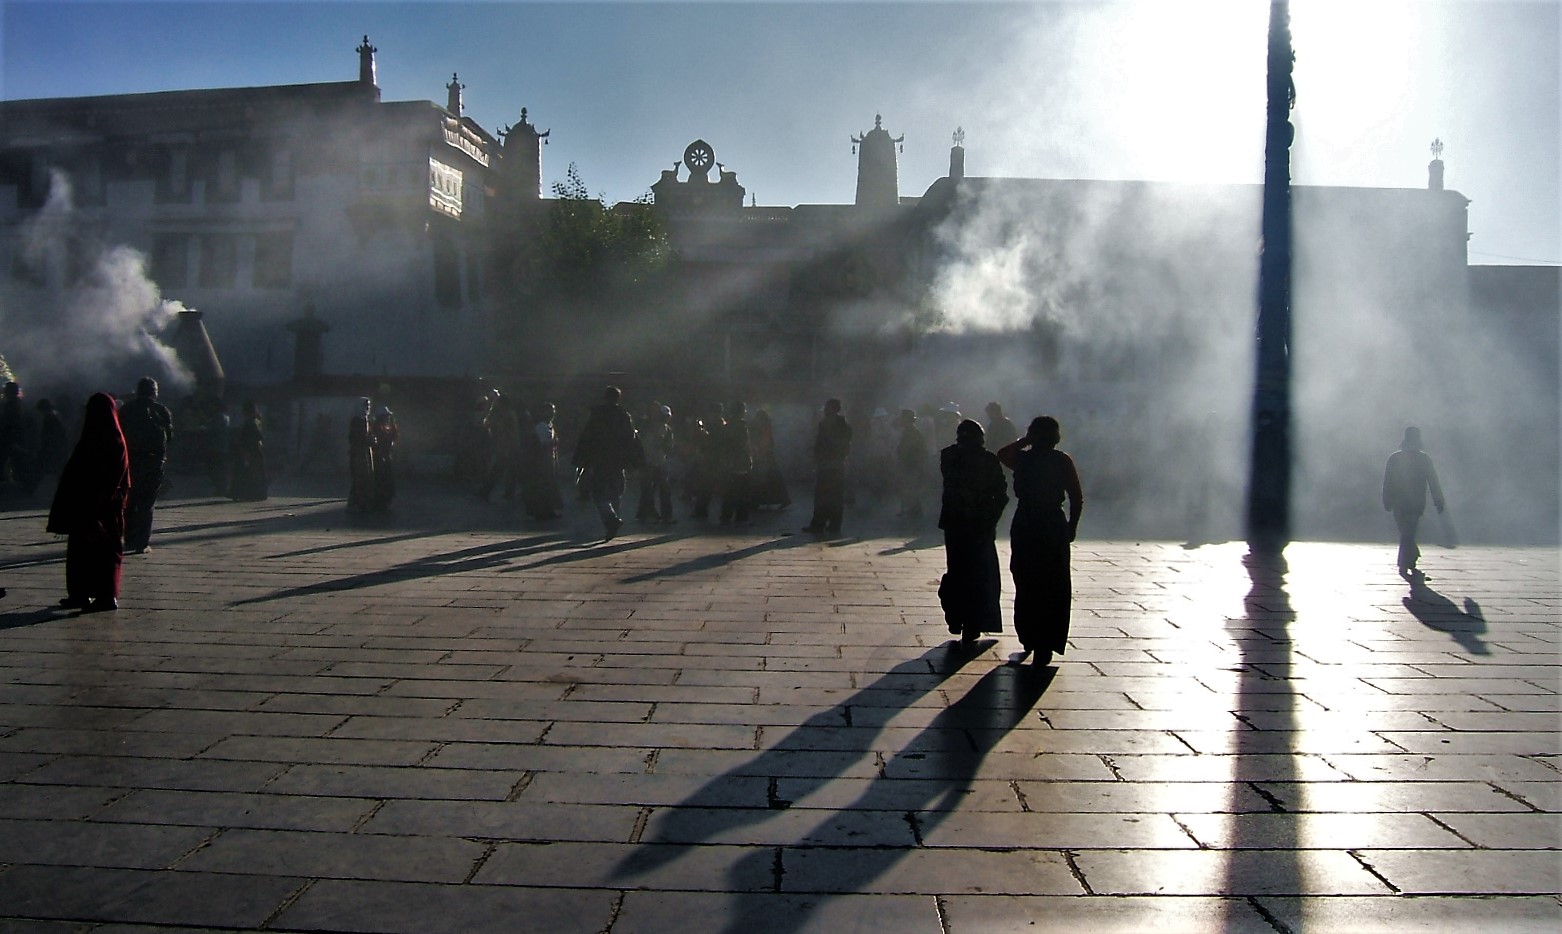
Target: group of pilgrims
{"type": "Point", "coordinates": [731, 468]}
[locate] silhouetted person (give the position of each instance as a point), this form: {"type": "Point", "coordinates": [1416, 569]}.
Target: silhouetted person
{"type": "Point", "coordinates": [53, 445]}
{"type": "Point", "coordinates": [386, 433]}
{"type": "Point", "coordinates": [737, 466]}
{"type": "Point", "coordinates": [975, 492]}
{"type": "Point", "coordinates": [705, 474]}
{"type": "Point", "coordinates": [542, 471]}
{"type": "Point", "coordinates": [769, 486]}
{"type": "Point", "coordinates": [608, 446]}
{"type": "Point", "coordinates": [1406, 479]}
{"type": "Point", "coordinates": [16, 439]}
{"type": "Point", "coordinates": [656, 489]}
{"type": "Point", "coordinates": [1040, 535]}
{"type": "Point", "coordinates": [832, 446]}
{"type": "Point", "coordinates": [1000, 428]}
{"type": "Point", "coordinates": [148, 427]}
{"type": "Point", "coordinates": [249, 457]}
{"type": "Point", "coordinates": [504, 431]}
{"type": "Point", "coordinates": [911, 465]}
{"type": "Point", "coordinates": [360, 458]}
{"type": "Point", "coordinates": [89, 509]}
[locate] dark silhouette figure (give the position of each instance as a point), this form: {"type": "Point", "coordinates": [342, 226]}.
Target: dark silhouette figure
{"type": "Point", "coordinates": [89, 509]}
{"type": "Point", "coordinates": [360, 458]}
{"type": "Point", "coordinates": [1406, 479]}
{"type": "Point", "coordinates": [53, 445]}
{"type": "Point", "coordinates": [15, 436]}
{"type": "Point", "coordinates": [504, 436]}
{"type": "Point", "coordinates": [608, 446]}
{"type": "Point", "coordinates": [832, 446]}
{"type": "Point", "coordinates": [249, 457]}
{"type": "Point", "coordinates": [1040, 536]}
{"type": "Point", "coordinates": [541, 488]}
{"type": "Point", "coordinates": [656, 488]}
{"type": "Point", "coordinates": [911, 465]}
{"type": "Point", "coordinates": [737, 466]}
{"type": "Point", "coordinates": [1000, 428]}
{"type": "Point", "coordinates": [705, 472]}
{"type": "Point", "coordinates": [148, 427]}
{"type": "Point", "coordinates": [975, 492]}
{"type": "Point", "coordinates": [769, 484]}
{"type": "Point", "coordinates": [386, 434]}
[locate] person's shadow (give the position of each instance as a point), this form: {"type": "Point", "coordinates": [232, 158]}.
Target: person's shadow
{"type": "Point", "coordinates": [917, 788]}
{"type": "Point", "coordinates": [1436, 611]}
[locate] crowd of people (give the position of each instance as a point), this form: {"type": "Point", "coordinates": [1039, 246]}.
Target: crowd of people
{"type": "Point", "coordinates": [107, 487]}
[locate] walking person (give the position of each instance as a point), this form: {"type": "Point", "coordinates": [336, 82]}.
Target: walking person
{"type": "Point", "coordinates": [1040, 535]}
{"type": "Point", "coordinates": [608, 446]}
{"type": "Point", "coordinates": [975, 493]}
{"type": "Point", "coordinates": [832, 446]}
{"type": "Point", "coordinates": [148, 427]}
{"type": "Point", "coordinates": [542, 485]}
{"type": "Point", "coordinates": [89, 509]}
{"type": "Point", "coordinates": [1407, 477]}
{"type": "Point", "coordinates": [769, 485]}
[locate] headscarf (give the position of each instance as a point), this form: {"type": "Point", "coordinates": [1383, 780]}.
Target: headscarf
{"type": "Point", "coordinates": [95, 482]}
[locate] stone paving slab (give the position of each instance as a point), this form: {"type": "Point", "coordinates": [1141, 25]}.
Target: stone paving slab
{"type": "Point", "coordinates": [444, 720]}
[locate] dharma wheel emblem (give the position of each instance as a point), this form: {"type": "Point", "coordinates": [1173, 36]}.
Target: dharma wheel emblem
{"type": "Point", "coordinates": [699, 157]}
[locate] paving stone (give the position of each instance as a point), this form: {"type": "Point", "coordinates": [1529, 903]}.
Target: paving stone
{"type": "Point", "coordinates": [192, 898]}
{"type": "Point", "coordinates": [506, 820]}
{"type": "Point", "coordinates": [1117, 915]}
{"type": "Point", "coordinates": [761, 913]}
{"type": "Point", "coordinates": [229, 809]}
{"type": "Point", "coordinates": [1227, 872]}
{"type": "Point", "coordinates": [338, 856]}
{"type": "Point", "coordinates": [1416, 913]}
{"type": "Point", "coordinates": [420, 908]}
{"type": "Point", "coordinates": [1292, 831]}
{"type": "Point", "coordinates": [89, 843]}
{"type": "Point", "coordinates": [1437, 872]}
{"type": "Point", "coordinates": [1531, 831]}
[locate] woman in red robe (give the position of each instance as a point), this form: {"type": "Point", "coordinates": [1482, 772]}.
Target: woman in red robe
{"type": "Point", "coordinates": [89, 508]}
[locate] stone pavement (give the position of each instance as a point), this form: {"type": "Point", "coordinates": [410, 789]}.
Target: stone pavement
{"type": "Point", "coordinates": [440, 720]}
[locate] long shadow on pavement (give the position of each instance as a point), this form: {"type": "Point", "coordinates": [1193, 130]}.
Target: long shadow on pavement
{"type": "Point", "coordinates": [718, 560]}
{"type": "Point", "coordinates": [1436, 611]}
{"type": "Point", "coordinates": [916, 789]}
{"type": "Point", "coordinates": [1262, 853]}
{"type": "Point", "coordinates": [478, 558]}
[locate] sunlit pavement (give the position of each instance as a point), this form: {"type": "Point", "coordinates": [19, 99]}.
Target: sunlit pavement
{"type": "Point", "coordinates": [303, 721]}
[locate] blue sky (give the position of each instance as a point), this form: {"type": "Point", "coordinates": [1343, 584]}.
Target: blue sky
{"type": "Point", "coordinates": [1167, 90]}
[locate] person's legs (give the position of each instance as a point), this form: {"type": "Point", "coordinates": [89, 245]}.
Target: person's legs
{"type": "Point", "coordinates": [1409, 554]}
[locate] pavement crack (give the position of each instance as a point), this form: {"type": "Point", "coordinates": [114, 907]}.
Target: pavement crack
{"type": "Point", "coordinates": [1111, 766]}
{"type": "Point", "coordinates": [642, 820]}
{"type": "Point", "coordinates": [1275, 804]}
{"type": "Point", "coordinates": [431, 753]}
{"type": "Point", "coordinates": [1019, 796]}
{"type": "Point", "coordinates": [1434, 819]}
{"type": "Point", "coordinates": [287, 903]}
{"type": "Point", "coordinates": [1374, 870]}
{"type": "Point", "coordinates": [613, 913]}
{"type": "Point", "coordinates": [520, 785]}
{"type": "Point", "coordinates": [879, 767]}
{"type": "Point", "coordinates": [915, 824]}
{"type": "Point", "coordinates": [651, 758]}
{"type": "Point", "coordinates": [1073, 867]}
{"type": "Point", "coordinates": [651, 712]}
{"type": "Point", "coordinates": [777, 870]}
{"type": "Point", "coordinates": [573, 685]}
{"type": "Point", "coordinates": [368, 816]}
{"type": "Point", "coordinates": [477, 864]}
{"type": "Point", "coordinates": [1184, 828]}
{"type": "Point", "coordinates": [542, 738]}
{"type": "Point", "coordinates": [943, 915]}
{"type": "Point", "coordinates": [1268, 916]}
{"type": "Point", "coordinates": [453, 707]}
{"type": "Point", "coordinates": [1508, 794]}
{"type": "Point", "coordinates": [759, 738]}
{"type": "Point", "coordinates": [1130, 699]}
{"type": "Point", "coordinates": [1178, 737]}
{"type": "Point", "coordinates": [846, 714]}
{"type": "Point", "coordinates": [971, 740]}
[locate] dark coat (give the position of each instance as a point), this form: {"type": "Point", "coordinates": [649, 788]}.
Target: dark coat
{"type": "Point", "coordinates": [975, 491]}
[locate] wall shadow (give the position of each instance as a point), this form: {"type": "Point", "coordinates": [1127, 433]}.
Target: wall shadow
{"type": "Point", "coordinates": [1265, 699]}
{"type": "Point", "coordinates": [916, 789]}
{"type": "Point", "coordinates": [1438, 612]}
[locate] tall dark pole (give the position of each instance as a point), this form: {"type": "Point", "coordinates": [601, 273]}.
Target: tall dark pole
{"type": "Point", "coordinates": [1269, 483]}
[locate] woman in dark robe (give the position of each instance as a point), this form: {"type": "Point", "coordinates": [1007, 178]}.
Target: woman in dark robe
{"type": "Point", "coordinates": [249, 457]}
{"type": "Point", "coordinates": [89, 508]}
{"type": "Point", "coordinates": [769, 484]}
{"type": "Point", "coordinates": [975, 493]}
{"type": "Point", "coordinates": [1040, 536]}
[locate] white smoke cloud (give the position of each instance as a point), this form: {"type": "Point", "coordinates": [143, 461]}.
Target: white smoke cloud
{"type": "Point", "coordinates": [87, 314]}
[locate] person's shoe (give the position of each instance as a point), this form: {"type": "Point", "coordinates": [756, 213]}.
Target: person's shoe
{"type": "Point", "coordinates": [612, 526]}
{"type": "Point", "coordinates": [73, 603]}
{"type": "Point", "coordinates": [1042, 659]}
{"type": "Point", "coordinates": [100, 606]}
